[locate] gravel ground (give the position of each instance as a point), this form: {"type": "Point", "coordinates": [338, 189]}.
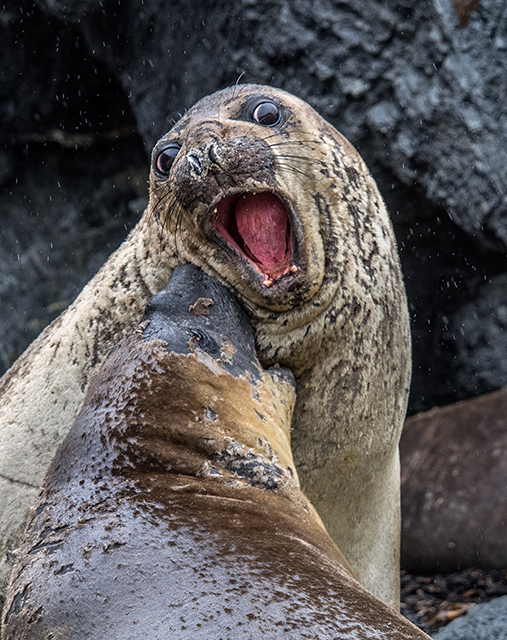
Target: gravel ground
{"type": "Point", "coordinates": [431, 602]}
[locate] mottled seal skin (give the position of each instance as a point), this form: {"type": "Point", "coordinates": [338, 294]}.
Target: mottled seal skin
{"type": "Point", "coordinates": [278, 206]}
{"type": "Point", "coordinates": [172, 509]}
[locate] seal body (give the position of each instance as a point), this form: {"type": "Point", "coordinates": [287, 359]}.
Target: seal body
{"type": "Point", "coordinates": [172, 508]}
{"type": "Point", "coordinates": [454, 460]}
{"type": "Point", "coordinates": [254, 187]}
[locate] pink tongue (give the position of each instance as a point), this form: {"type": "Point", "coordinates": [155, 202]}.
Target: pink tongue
{"type": "Point", "coordinates": [262, 223]}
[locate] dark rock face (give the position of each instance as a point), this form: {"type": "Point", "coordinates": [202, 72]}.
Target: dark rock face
{"type": "Point", "coordinates": [418, 94]}
{"type": "Point", "coordinates": [482, 348]}
{"type": "Point", "coordinates": [454, 474]}
{"type": "Point", "coordinates": [65, 213]}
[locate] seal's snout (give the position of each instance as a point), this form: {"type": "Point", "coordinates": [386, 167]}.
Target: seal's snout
{"type": "Point", "coordinates": [202, 160]}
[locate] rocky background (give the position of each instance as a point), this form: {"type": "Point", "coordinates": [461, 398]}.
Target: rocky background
{"type": "Point", "coordinates": [418, 86]}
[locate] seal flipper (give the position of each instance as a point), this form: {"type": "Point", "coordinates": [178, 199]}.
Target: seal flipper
{"type": "Point", "coordinates": [219, 327]}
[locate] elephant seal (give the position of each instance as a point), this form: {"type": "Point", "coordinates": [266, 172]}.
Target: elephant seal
{"type": "Point", "coordinates": [255, 188]}
{"type": "Point", "coordinates": [454, 466]}
{"type": "Point", "coordinates": [172, 508]}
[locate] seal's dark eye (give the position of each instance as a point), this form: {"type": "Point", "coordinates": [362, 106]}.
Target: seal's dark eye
{"type": "Point", "coordinates": [267, 113]}
{"type": "Point", "coordinates": [166, 157]}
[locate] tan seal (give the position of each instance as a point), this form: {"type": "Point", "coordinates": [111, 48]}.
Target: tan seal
{"type": "Point", "coordinates": [172, 508]}
{"type": "Point", "coordinates": [256, 188]}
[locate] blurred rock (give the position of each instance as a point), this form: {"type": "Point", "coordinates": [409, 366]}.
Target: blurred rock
{"type": "Point", "coordinates": [421, 96]}
{"type": "Point", "coordinates": [486, 621]}
{"type": "Point", "coordinates": [454, 480]}
{"type": "Point", "coordinates": [432, 601]}
{"type": "Point", "coordinates": [50, 80]}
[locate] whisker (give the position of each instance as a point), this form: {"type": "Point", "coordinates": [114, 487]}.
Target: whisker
{"type": "Point", "coordinates": [160, 200]}
{"type": "Point", "coordinates": [245, 135]}
{"type": "Point", "coordinates": [275, 134]}
{"type": "Point", "coordinates": [304, 160]}
{"type": "Point", "coordinates": [297, 142]}
{"type": "Point", "coordinates": [294, 170]}
{"type": "Point", "coordinates": [294, 157]}
{"type": "Point", "coordinates": [309, 169]}
{"type": "Point", "coordinates": [163, 203]}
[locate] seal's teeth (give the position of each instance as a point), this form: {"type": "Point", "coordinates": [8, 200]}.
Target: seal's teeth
{"type": "Point", "coordinates": [215, 211]}
{"type": "Point", "coordinates": [268, 282]}
{"type": "Point", "coordinates": [294, 268]}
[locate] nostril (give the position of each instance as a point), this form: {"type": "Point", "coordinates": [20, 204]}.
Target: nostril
{"type": "Point", "coordinates": [213, 155]}
{"type": "Point", "coordinates": [194, 161]}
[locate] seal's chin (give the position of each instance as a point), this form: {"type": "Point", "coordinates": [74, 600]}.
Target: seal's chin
{"type": "Point", "coordinates": [257, 225]}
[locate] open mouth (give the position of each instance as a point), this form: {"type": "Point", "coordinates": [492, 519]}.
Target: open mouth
{"type": "Point", "coordinates": [257, 225]}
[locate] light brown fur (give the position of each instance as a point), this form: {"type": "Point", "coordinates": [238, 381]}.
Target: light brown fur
{"type": "Point", "coordinates": [340, 323]}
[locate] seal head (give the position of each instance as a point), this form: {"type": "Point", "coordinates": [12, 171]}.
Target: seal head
{"type": "Point", "coordinates": [226, 178]}
{"type": "Point", "coordinates": [194, 311]}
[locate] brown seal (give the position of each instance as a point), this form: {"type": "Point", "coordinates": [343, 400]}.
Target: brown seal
{"type": "Point", "coordinates": [172, 509]}
{"type": "Point", "coordinates": [454, 472]}
{"type": "Point", "coordinates": [254, 187]}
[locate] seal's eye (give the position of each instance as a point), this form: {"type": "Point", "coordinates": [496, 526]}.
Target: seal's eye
{"type": "Point", "coordinates": [166, 157]}
{"type": "Point", "coordinates": [267, 113]}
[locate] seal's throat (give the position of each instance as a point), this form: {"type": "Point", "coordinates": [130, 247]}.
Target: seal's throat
{"type": "Point", "coordinates": [257, 225]}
